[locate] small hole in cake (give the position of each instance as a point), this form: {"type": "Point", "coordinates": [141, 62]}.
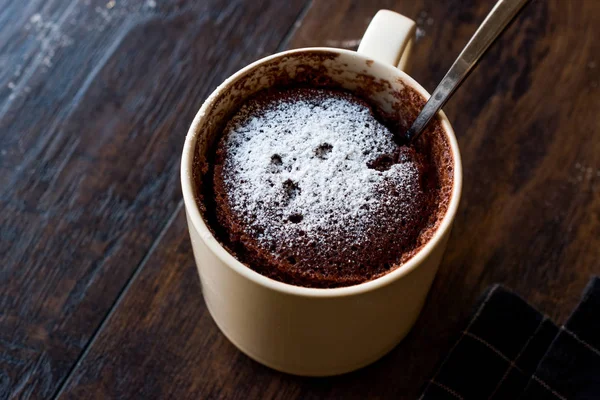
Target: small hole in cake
{"type": "Point", "coordinates": [296, 218]}
{"type": "Point", "coordinates": [291, 260]}
{"type": "Point", "coordinates": [367, 125]}
{"type": "Point", "coordinates": [291, 189]}
{"type": "Point", "coordinates": [364, 207]}
{"type": "Point", "coordinates": [323, 150]}
{"type": "Point", "coordinates": [301, 233]}
{"type": "Point", "coordinates": [403, 222]}
{"type": "Point", "coordinates": [354, 247]}
{"type": "Point", "coordinates": [381, 163]}
{"type": "Point", "coordinates": [276, 159]}
{"type": "Point", "coordinates": [387, 265]}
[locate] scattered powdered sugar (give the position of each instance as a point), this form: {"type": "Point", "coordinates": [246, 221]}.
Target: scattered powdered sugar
{"type": "Point", "coordinates": [299, 165]}
{"type": "Point", "coordinates": [50, 36]}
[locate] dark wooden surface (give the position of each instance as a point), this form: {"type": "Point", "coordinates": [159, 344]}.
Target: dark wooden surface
{"type": "Point", "coordinates": [99, 296]}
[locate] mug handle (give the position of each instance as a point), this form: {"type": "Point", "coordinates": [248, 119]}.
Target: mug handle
{"type": "Point", "coordinates": [389, 38]}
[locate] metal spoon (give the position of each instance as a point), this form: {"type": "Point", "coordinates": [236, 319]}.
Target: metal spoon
{"type": "Point", "coordinates": [493, 25]}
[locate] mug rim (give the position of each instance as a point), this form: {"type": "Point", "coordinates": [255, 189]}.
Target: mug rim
{"type": "Point", "coordinates": [195, 217]}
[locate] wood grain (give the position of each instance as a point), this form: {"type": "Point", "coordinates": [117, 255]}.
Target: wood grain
{"type": "Point", "coordinates": [92, 129]}
{"type": "Point", "coordinates": [528, 128]}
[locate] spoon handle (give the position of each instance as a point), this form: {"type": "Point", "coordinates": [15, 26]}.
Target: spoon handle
{"type": "Point", "coordinates": [493, 25]}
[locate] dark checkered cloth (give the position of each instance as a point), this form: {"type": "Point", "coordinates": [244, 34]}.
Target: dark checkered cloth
{"type": "Point", "coordinates": [509, 350]}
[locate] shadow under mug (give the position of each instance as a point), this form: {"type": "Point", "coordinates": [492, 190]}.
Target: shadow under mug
{"type": "Point", "coordinates": [299, 330]}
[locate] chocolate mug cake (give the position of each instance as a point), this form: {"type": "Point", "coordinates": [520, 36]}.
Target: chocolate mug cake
{"type": "Point", "coordinates": [314, 187]}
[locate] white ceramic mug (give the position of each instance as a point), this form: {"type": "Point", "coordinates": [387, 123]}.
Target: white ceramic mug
{"type": "Point", "coordinates": [299, 330]}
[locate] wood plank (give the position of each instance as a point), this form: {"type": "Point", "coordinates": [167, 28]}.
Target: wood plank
{"type": "Point", "coordinates": [92, 131]}
{"type": "Point", "coordinates": [529, 218]}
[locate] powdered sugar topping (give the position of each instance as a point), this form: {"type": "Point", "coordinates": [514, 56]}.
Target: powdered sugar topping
{"type": "Point", "coordinates": [299, 165]}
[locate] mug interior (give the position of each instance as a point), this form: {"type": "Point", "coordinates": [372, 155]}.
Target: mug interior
{"type": "Point", "coordinates": [389, 89]}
